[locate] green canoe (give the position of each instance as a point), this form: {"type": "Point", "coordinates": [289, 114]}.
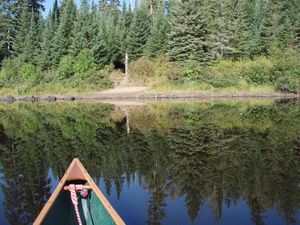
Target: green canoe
{"type": "Point", "coordinates": [93, 207]}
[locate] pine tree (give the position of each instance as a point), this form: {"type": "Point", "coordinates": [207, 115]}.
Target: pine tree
{"type": "Point", "coordinates": [189, 32]}
{"type": "Point", "coordinates": [125, 23]}
{"type": "Point", "coordinates": [220, 29]}
{"type": "Point", "coordinates": [55, 15]}
{"type": "Point", "coordinates": [241, 32]}
{"type": "Point", "coordinates": [257, 17]}
{"type": "Point", "coordinates": [46, 54]}
{"type": "Point", "coordinates": [158, 41]}
{"type": "Point", "coordinates": [139, 33]}
{"type": "Point", "coordinates": [81, 38]}
{"type": "Point", "coordinates": [23, 28]}
{"type": "Point", "coordinates": [289, 21]}
{"type": "Point", "coordinates": [26, 43]}
{"type": "Point", "coordinates": [271, 27]}
{"type": "Point", "coordinates": [7, 28]}
{"type": "Point", "coordinates": [62, 40]}
{"type": "Point", "coordinates": [100, 48]}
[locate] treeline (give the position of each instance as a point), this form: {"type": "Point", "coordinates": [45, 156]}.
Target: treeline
{"type": "Point", "coordinates": [77, 42]}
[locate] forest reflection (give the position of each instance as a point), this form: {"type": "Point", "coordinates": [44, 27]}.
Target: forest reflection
{"type": "Point", "coordinates": [219, 152]}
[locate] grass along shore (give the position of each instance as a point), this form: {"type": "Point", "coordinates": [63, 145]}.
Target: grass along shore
{"type": "Point", "coordinates": [279, 73]}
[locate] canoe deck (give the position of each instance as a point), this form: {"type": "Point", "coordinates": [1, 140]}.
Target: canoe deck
{"type": "Point", "coordinates": [94, 209]}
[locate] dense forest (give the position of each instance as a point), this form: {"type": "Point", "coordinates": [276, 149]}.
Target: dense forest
{"type": "Point", "coordinates": [172, 150]}
{"type": "Point", "coordinates": [209, 43]}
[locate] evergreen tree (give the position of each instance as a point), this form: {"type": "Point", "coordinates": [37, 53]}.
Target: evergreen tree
{"type": "Point", "coordinates": [157, 42]}
{"type": "Point", "coordinates": [220, 28]}
{"type": "Point", "coordinates": [7, 28]}
{"type": "Point", "coordinates": [55, 15]}
{"type": "Point", "coordinates": [189, 32]}
{"type": "Point", "coordinates": [23, 27]}
{"type": "Point", "coordinates": [26, 43]}
{"type": "Point", "coordinates": [82, 31]}
{"type": "Point", "coordinates": [271, 27]}
{"type": "Point", "coordinates": [100, 48]}
{"type": "Point", "coordinates": [139, 33]}
{"type": "Point", "coordinates": [46, 54]}
{"type": "Point", "coordinates": [241, 32]}
{"type": "Point", "coordinates": [125, 23]}
{"type": "Point", "coordinates": [62, 40]}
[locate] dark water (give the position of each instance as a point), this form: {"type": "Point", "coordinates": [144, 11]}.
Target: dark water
{"type": "Point", "coordinates": [174, 164]}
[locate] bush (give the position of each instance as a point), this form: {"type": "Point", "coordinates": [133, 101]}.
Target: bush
{"type": "Point", "coordinates": [142, 70]}
{"type": "Point", "coordinates": [288, 84]}
{"type": "Point", "coordinates": [258, 71]}
{"type": "Point", "coordinates": [28, 70]}
{"type": "Point", "coordinates": [287, 71]}
{"type": "Point", "coordinates": [66, 68]}
{"type": "Point", "coordinates": [10, 72]}
{"type": "Point", "coordinates": [223, 74]}
{"type": "Point", "coordinates": [191, 70]}
{"type": "Point", "coordinates": [84, 63]}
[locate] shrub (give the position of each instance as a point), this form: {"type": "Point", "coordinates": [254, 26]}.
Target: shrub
{"type": "Point", "coordinates": [66, 68]}
{"type": "Point", "coordinates": [191, 70]}
{"type": "Point", "coordinates": [288, 84]}
{"type": "Point", "coordinates": [28, 70]}
{"type": "Point", "coordinates": [287, 71]}
{"type": "Point", "coordinates": [84, 63]}
{"type": "Point", "coordinates": [222, 74]}
{"type": "Point", "coordinates": [10, 71]}
{"type": "Point", "coordinates": [142, 70]}
{"type": "Point", "coordinates": [174, 73]}
{"type": "Point", "coordinates": [258, 71]}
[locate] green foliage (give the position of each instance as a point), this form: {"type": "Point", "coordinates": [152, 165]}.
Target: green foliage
{"type": "Point", "coordinates": [288, 84]}
{"type": "Point", "coordinates": [62, 40]}
{"type": "Point", "coordinates": [27, 70]}
{"type": "Point", "coordinates": [142, 70]}
{"type": "Point", "coordinates": [287, 71]}
{"type": "Point", "coordinates": [191, 70]}
{"type": "Point", "coordinates": [139, 33]}
{"type": "Point", "coordinates": [216, 152]}
{"type": "Point", "coordinates": [189, 32]}
{"type": "Point", "coordinates": [223, 74]}
{"type": "Point", "coordinates": [158, 40]}
{"type": "Point", "coordinates": [66, 67]}
{"type": "Point", "coordinates": [192, 33]}
{"type": "Point", "coordinates": [259, 71]}
{"type": "Point", "coordinates": [84, 62]}
{"type": "Point", "coordinates": [10, 71]}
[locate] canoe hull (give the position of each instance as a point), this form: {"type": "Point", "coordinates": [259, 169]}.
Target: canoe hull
{"type": "Point", "coordinates": [94, 209]}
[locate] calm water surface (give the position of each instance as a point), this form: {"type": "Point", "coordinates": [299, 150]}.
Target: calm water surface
{"type": "Point", "coordinates": [205, 163]}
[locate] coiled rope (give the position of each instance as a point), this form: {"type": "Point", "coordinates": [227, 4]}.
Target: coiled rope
{"type": "Point", "coordinates": [73, 188]}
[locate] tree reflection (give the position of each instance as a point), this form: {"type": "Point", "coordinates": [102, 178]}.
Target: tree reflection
{"type": "Point", "coordinates": [214, 152]}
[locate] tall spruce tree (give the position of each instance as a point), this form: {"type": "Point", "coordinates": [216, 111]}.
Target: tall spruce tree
{"type": "Point", "coordinates": [241, 32]}
{"type": "Point", "coordinates": [125, 23]}
{"type": "Point", "coordinates": [158, 41]}
{"type": "Point", "coordinates": [220, 28]}
{"type": "Point", "coordinates": [189, 32]}
{"type": "Point", "coordinates": [82, 31]}
{"type": "Point", "coordinates": [63, 39]}
{"type": "Point", "coordinates": [139, 33]}
{"type": "Point", "coordinates": [7, 28]}
{"type": "Point", "coordinates": [27, 41]}
{"type": "Point", "coordinates": [46, 54]}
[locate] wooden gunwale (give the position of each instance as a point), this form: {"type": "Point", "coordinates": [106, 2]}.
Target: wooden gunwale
{"type": "Point", "coordinates": [67, 177]}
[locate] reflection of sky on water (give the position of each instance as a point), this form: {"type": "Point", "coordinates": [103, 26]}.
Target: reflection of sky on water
{"type": "Point", "coordinates": [3, 220]}
{"type": "Point", "coordinates": [133, 202]}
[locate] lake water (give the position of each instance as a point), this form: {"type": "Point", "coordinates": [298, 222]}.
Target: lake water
{"type": "Point", "coordinates": [214, 162]}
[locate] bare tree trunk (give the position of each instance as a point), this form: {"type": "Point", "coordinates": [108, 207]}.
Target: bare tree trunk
{"type": "Point", "coordinates": [126, 64]}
